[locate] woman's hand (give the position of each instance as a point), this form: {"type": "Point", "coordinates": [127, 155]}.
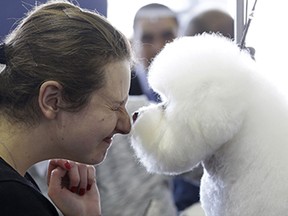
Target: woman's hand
{"type": "Point", "coordinates": [72, 187]}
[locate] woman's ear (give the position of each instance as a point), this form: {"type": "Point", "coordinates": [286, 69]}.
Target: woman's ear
{"type": "Point", "coordinates": [50, 98]}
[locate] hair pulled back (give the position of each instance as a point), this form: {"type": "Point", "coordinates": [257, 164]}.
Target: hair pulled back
{"type": "Point", "coordinates": [61, 42]}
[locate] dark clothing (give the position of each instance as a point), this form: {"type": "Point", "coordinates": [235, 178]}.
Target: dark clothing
{"type": "Point", "coordinates": [21, 196]}
{"type": "Point", "coordinates": [185, 193]}
{"type": "Point", "coordinates": [135, 86]}
{"type": "Point", "coordinates": [139, 85]}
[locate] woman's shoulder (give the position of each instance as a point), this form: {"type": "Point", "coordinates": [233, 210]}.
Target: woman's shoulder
{"type": "Point", "coordinates": [8, 173]}
{"type": "Point", "coordinates": [18, 195]}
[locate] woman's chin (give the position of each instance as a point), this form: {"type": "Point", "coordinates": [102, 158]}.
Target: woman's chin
{"type": "Point", "coordinates": [101, 156]}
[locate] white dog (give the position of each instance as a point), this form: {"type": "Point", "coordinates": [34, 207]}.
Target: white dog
{"type": "Point", "coordinates": [218, 110]}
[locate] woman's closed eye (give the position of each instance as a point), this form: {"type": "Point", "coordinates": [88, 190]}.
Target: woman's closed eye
{"type": "Point", "coordinates": [118, 107]}
{"type": "Point", "coordinates": [115, 108]}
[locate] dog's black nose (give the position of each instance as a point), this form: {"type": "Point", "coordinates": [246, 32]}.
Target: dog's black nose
{"type": "Point", "coordinates": [135, 116]}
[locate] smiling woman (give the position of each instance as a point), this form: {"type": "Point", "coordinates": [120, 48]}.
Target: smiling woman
{"type": "Point", "coordinates": [64, 68]}
{"type": "Point", "coordinates": [98, 121]}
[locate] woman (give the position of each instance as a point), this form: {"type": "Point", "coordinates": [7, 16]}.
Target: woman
{"type": "Point", "coordinates": [63, 92]}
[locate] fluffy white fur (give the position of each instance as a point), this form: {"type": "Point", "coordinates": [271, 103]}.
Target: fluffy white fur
{"type": "Point", "coordinates": [219, 110]}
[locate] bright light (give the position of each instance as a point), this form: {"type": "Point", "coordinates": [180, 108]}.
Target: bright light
{"type": "Point", "coordinates": [269, 36]}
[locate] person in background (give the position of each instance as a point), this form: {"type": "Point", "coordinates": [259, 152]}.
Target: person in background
{"type": "Point", "coordinates": [63, 90]}
{"type": "Point", "coordinates": [211, 21]}
{"type": "Point", "coordinates": [154, 25]}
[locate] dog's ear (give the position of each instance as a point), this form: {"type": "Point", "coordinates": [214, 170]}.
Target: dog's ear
{"type": "Point", "coordinates": [219, 114]}
{"type": "Point", "coordinates": [218, 111]}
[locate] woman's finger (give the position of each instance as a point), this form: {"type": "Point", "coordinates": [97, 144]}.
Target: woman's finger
{"type": "Point", "coordinates": [54, 163]}
{"type": "Point", "coordinates": [83, 173]}
{"type": "Point", "coordinates": [77, 177]}
{"type": "Point", "coordinates": [91, 176]}
{"type": "Point", "coordinates": [74, 178]}
{"type": "Point", "coordinates": [56, 176]}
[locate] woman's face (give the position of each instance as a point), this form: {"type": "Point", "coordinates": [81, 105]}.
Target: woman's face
{"type": "Point", "coordinates": [85, 136]}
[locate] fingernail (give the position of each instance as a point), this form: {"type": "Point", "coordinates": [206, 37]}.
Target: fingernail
{"type": "Point", "coordinates": [73, 189]}
{"type": "Point", "coordinates": [89, 187]}
{"type": "Point", "coordinates": [81, 191]}
{"type": "Point", "coordinates": [67, 165]}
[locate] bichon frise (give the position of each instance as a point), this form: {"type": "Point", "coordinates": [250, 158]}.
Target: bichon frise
{"type": "Point", "coordinates": [219, 110]}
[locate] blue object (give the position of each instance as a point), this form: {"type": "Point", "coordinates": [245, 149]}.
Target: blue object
{"type": "Point", "coordinates": [185, 193]}
{"type": "Point", "coordinates": [12, 11]}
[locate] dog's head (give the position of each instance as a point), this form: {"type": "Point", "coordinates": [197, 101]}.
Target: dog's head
{"type": "Point", "coordinates": [203, 82]}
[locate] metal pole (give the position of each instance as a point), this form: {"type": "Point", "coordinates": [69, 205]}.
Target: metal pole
{"type": "Point", "coordinates": [239, 21]}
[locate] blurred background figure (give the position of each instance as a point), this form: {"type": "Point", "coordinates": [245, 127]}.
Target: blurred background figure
{"type": "Point", "coordinates": [154, 25]}
{"type": "Point", "coordinates": [211, 20]}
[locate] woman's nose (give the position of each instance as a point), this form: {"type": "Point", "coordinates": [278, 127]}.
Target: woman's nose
{"type": "Point", "coordinates": [124, 124]}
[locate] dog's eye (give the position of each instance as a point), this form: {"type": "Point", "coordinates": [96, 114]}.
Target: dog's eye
{"type": "Point", "coordinates": [164, 106]}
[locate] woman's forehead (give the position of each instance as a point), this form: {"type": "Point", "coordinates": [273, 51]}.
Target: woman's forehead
{"type": "Point", "coordinates": [117, 76]}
